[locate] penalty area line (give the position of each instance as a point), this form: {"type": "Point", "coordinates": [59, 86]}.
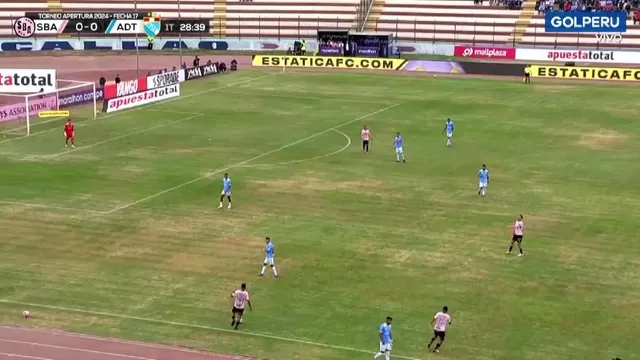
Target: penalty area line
{"type": "Point", "coordinates": [291, 162]}
{"type": "Point", "coordinates": [196, 326]}
{"type": "Point", "coordinates": [210, 174]}
{"type": "Point", "coordinates": [145, 107]}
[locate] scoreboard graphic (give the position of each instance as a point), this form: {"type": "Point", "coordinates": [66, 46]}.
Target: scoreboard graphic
{"type": "Point", "coordinates": [149, 25]}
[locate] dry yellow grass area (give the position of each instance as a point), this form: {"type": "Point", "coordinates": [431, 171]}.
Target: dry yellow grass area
{"type": "Point", "coordinates": [308, 183]}
{"type": "Point", "coordinates": [603, 140]}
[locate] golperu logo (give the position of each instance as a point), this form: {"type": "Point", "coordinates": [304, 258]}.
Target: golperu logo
{"type": "Point", "coordinates": [141, 98]}
{"type": "Point", "coordinates": [485, 52]}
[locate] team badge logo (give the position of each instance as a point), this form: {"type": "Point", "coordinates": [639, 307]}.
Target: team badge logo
{"type": "Point", "coordinates": [24, 27]}
{"type": "Point", "coordinates": [151, 26]}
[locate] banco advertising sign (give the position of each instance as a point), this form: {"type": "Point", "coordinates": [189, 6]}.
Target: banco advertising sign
{"type": "Point", "coordinates": [586, 22]}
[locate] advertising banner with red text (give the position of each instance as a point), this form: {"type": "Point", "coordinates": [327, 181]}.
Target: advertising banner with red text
{"type": "Point", "coordinates": [125, 87]}
{"type": "Point", "coordinates": [484, 52]}
{"type": "Point", "coordinates": [579, 56]}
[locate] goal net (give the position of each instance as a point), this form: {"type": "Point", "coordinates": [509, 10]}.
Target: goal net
{"type": "Point", "coordinates": [22, 115]}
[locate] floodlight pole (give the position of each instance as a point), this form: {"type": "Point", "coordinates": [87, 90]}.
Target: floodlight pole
{"type": "Point", "coordinates": [135, 4]}
{"type": "Point", "coordinates": [179, 36]}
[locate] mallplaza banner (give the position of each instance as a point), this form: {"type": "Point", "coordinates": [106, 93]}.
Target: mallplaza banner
{"type": "Point", "coordinates": [585, 73]}
{"type": "Point", "coordinates": [329, 62]}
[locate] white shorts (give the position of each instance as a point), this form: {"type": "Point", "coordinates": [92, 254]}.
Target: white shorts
{"type": "Point", "coordinates": [227, 193]}
{"type": "Point", "coordinates": [399, 151]}
{"type": "Point", "coordinates": [482, 184]}
{"type": "Point", "coordinates": [449, 135]}
{"type": "Point", "coordinates": [385, 347]}
{"type": "Point", "coordinates": [269, 261]}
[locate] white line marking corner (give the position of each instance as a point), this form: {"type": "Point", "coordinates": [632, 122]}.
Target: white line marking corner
{"type": "Point", "coordinates": [195, 326]}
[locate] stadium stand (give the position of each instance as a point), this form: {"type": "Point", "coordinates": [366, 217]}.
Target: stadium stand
{"type": "Point", "coordinates": [460, 21]}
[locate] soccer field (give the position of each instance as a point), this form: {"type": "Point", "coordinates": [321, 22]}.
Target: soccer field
{"type": "Point", "coordinates": [122, 236]}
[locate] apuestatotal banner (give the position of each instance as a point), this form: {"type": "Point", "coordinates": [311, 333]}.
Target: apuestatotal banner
{"type": "Point", "coordinates": [27, 81]}
{"type": "Point", "coordinates": [579, 56]}
{"type": "Point", "coordinates": [589, 22]}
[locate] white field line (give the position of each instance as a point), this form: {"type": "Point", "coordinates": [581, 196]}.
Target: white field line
{"type": "Point", "coordinates": [208, 175]}
{"type": "Point", "coordinates": [119, 137]}
{"type": "Point", "coordinates": [123, 342]}
{"type": "Point", "coordinates": [24, 356]}
{"type": "Point", "coordinates": [52, 207]}
{"type": "Point", "coordinates": [303, 97]}
{"type": "Point", "coordinates": [35, 344]}
{"type": "Point", "coordinates": [202, 327]}
{"type": "Point", "coordinates": [308, 159]}
{"type": "Point", "coordinates": [86, 123]}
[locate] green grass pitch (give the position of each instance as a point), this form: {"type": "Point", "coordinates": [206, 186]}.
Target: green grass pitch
{"type": "Point", "coordinates": [121, 236]}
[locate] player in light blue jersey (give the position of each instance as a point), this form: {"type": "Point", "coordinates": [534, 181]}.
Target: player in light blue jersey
{"type": "Point", "coordinates": [483, 180]}
{"type": "Point", "coordinates": [226, 190]}
{"type": "Point", "coordinates": [397, 145]}
{"type": "Point", "coordinates": [269, 259]}
{"type": "Point", "coordinates": [448, 127]}
{"type": "Point", "coordinates": [386, 339]}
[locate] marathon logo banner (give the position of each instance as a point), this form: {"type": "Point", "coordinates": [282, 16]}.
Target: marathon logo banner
{"type": "Point", "coordinates": [585, 73]}
{"type": "Point", "coordinates": [329, 62]}
{"type": "Point", "coordinates": [79, 98]}
{"type": "Point", "coordinates": [200, 71]}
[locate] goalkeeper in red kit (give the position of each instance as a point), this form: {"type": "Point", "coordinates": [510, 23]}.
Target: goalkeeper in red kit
{"type": "Point", "coordinates": [69, 134]}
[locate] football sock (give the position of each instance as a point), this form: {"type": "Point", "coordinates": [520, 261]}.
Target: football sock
{"type": "Point", "coordinates": [438, 346]}
{"type": "Point", "coordinates": [448, 142]}
{"type": "Point", "coordinates": [263, 269]}
{"type": "Point", "coordinates": [220, 203]}
{"type": "Point", "coordinates": [387, 356]}
{"type": "Point", "coordinates": [510, 248]}
{"type": "Point", "coordinates": [229, 198]}
{"type": "Point", "coordinates": [521, 252]}
{"type": "Point", "coordinates": [378, 355]}
{"type": "Point", "coordinates": [431, 342]}
{"type": "Point", "coordinates": [275, 272]}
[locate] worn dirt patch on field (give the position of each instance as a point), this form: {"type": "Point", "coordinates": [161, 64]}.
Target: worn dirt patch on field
{"type": "Point", "coordinates": [310, 182]}
{"type": "Point", "coordinates": [603, 140]}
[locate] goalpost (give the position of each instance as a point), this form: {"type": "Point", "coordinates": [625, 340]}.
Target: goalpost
{"type": "Point", "coordinates": [20, 113]}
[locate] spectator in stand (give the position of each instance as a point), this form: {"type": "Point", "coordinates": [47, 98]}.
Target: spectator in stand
{"type": "Point", "coordinates": [196, 61]}
{"type": "Point", "coordinates": [184, 65]}
{"type": "Point", "coordinates": [234, 64]}
{"type": "Point", "coordinates": [173, 68]}
{"type": "Point", "coordinates": [148, 73]}
{"type": "Point", "coordinates": [102, 81]}
{"type": "Point", "coordinates": [117, 79]}
{"type": "Point", "coordinates": [636, 17]}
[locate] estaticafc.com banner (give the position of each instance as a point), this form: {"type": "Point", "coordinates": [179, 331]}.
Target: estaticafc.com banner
{"type": "Point", "coordinates": [579, 56]}
{"type": "Point", "coordinates": [142, 98]}
{"type": "Point", "coordinates": [329, 62]}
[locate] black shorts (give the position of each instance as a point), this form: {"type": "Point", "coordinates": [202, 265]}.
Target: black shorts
{"type": "Point", "coordinates": [517, 238]}
{"type": "Point", "coordinates": [365, 144]}
{"type": "Point", "coordinates": [527, 75]}
{"type": "Point", "coordinates": [439, 334]}
{"type": "Point", "coordinates": [235, 310]}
